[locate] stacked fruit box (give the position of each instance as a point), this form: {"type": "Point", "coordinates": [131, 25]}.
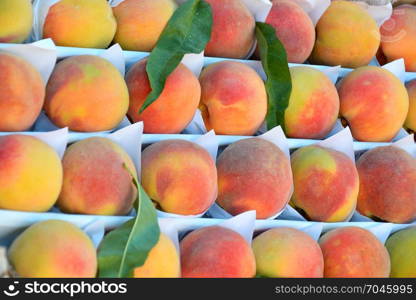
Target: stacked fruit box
{"type": "Point", "coordinates": [93, 127]}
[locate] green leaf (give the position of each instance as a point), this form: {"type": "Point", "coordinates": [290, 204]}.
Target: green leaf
{"type": "Point", "coordinates": [278, 83]}
{"type": "Point", "coordinates": [127, 247]}
{"type": "Point", "coordinates": [188, 31]}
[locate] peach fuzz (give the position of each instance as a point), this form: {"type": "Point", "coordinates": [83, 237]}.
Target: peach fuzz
{"type": "Point", "coordinates": [232, 30]}
{"type": "Point", "coordinates": [11, 30]}
{"type": "Point", "coordinates": [30, 174]}
{"type": "Point", "coordinates": [326, 184]}
{"type": "Point", "coordinates": [179, 176]}
{"type": "Point", "coordinates": [374, 103]}
{"type": "Point", "coordinates": [216, 252]}
{"type": "Point", "coordinates": [354, 252]}
{"type": "Point", "coordinates": [387, 185]}
{"type": "Point", "coordinates": [287, 252]}
{"type": "Point", "coordinates": [313, 104]}
{"type": "Point", "coordinates": [346, 35]}
{"type": "Point", "coordinates": [140, 23]}
{"type": "Point", "coordinates": [410, 122]}
{"type": "Point", "coordinates": [233, 99]}
{"type": "Point", "coordinates": [80, 23]}
{"type": "Point", "coordinates": [162, 261]}
{"type": "Point", "coordinates": [398, 36]}
{"type": "Point", "coordinates": [97, 178]}
{"type": "Point", "coordinates": [22, 93]}
{"type": "Point", "coordinates": [86, 93]}
{"type": "Point", "coordinates": [401, 246]}
{"type": "Point", "coordinates": [53, 249]}
{"type": "Point", "coordinates": [175, 107]}
{"type": "Point", "coordinates": [294, 28]}
{"type": "Point", "coordinates": [253, 174]}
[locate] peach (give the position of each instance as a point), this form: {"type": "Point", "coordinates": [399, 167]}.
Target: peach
{"type": "Point", "coordinates": [233, 28]}
{"type": "Point", "coordinates": [10, 11]}
{"type": "Point", "coordinates": [179, 176]}
{"type": "Point", "coordinates": [374, 103]}
{"type": "Point", "coordinates": [387, 185]}
{"type": "Point", "coordinates": [22, 92]}
{"type": "Point", "coordinates": [233, 99]}
{"type": "Point", "coordinates": [86, 93]}
{"type": "Point", "coordinates": [294, 28]}
{"type": "Point", "coordinates": [216, 252]}
{"type": "Point", "coordinates": [287, 252]}
{"type": "Point", "coordinates": [398, 36]}
{"type": "Point", "coordinates": [53, 249]}
{"type": "Point", "coordinates": [354, 252]}
{"type": "Point", "coordinates": [97, 178]}
{"type": "Point", "coordinates": [410, 122]}
{"type": "Point", "coordinates": [346, 35]}
{"type": "Point", "coordinates": [140, 23]}
{"type": "Point", "coordinates": [162, 261]}
{"type": "Point", "coordinates": [326, 184]}
{"type": "Point", "coordinates": [401, 246]}
{"type": "Point", "coordinates": [79, 23]}
{"type": "Point", "coordinates": [175, 107]}
{"type": "Point", "coordinates": [313, 104]}
{"type": "Point", "coordinates": [253, 174]}
{"type": "Point", "coordinates": [30, 174]}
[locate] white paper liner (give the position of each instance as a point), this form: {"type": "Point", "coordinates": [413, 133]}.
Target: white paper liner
{"type": "Point", "coordinates": [380, 13]}
{"type": "Point", "coordinates": [40, 11]}
{"type": "Point", "coordinates": [314, 8]}
{"type": "Point", "coordinates": [407, 144]}
{"type": "Point", "coordinates": [114, 55]}
{"type": "Point", "coordinates": [277, 137]}
{"type": "Point", "coordinates": [168, 227]}
{"type": "Point", "coordinates": [95, 231]}
{"type": "Point", "coordinates": [313, 229]}
{"type": "Point", "coordinates": [41, 55]}
{"type": "Point", "coordinates": [209, 142]}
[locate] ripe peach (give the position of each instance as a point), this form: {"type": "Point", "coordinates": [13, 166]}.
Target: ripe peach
{"type": "Point", "coordinates": [53, 249]}
{"type": "Point", "coordinates": [22, 92]}
{"type": "Point", "coordinates": [294, 28]}
{"type": "Point", "coordinates": [401, 246]}
{"type": "Point", "coordinates": [374, 102]}
{"type": "Point", "coordinates": [398, 36]}
{"type": "Point", "coordinates": [96, 180]}
{"type": "Point", "coordinates": [232, 30]}
{"type": "Point", "coordinates": [174, 108]}
{"type": "Point", "coordinates": [287, 252]}
{"type": "Point", "coordinates": [86, 93]}
{"type": "Point", "coordinates": [233, 99]}
{"type": "Point", "coordinates": [179, 176]}
{"type": "Point", "coordinates": [411, 115]}
{"type": "Point", "coordinates": [162, 261]}
{"type": "Point", "coordinates": [354, 252]}
{"type": "Point", "coordinates": [79, 23]}
{"type": "Point", "coordinates": [313, 104]}
{"type": "Point", "coordinates": [216, 252]}
{"type": "Point", "coordinates": [253, 174]}
{"type": "Point", "coordinates": [387, 185]}
{"type": "Point", "coordinates": [326, 184]}
{"type": "Point", "coordinates": [12, 31]}
{"type": "Point", "coordinates": [30, 174]}
{"type": "Point", "coordinates": [140, 23]}
{"type": "Point", "coordinates": [346, 35]}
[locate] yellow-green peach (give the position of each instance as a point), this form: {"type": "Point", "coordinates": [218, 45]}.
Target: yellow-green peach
{"type": "Point", "coordinates": [411, 115]}
{"type": "Point", "coordinates": [313, 104]}
{"type": "Point", "coordinates": [16, 18]}
{"type": "Point", "coordinates": [287, 252]}
{"type": "Point", "coordinates": [53, 249]}
{"type": "Point", "coordinates": [326, 184]}
{"type": "Point", "coordinates": [86, 93]}
{"type": "Point", "coordinates": [30, 174]}
{"type": "Point", "coordinates": [401, 246]}
{"type": "Point", "coordinates": [80, 23]}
